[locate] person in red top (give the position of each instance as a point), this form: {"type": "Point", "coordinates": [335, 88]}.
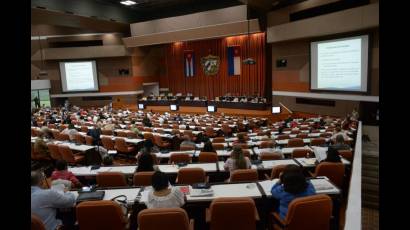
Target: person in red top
{"type": "Point", "coordinates": [61, 172]}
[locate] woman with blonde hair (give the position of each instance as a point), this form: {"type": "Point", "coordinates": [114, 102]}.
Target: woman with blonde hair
{"type": "Point", "coordinates": [237, 160]}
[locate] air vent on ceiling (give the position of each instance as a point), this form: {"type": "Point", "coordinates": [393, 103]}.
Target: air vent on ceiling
{"type": "Point", "coordinates": [327, 9]}
{"type": "Point", "coordinates": [64, 44]}
{"type": "Point", "coordinates": [101, 98]}
{"type": "Point", "coordinates": [310, 101]}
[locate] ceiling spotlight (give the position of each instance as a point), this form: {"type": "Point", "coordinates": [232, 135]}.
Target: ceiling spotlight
{"type": "Point", "coordinates": [128, 3]}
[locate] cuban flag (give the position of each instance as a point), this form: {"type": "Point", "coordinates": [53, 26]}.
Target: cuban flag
{"type": "Point", "coordinates": [189, 63]}
{"type": "Point", "coordinates": [234, 60]}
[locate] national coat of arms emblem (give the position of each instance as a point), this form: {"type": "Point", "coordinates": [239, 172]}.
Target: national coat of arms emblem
{"type": "Point", "coordinates": [210, 64]}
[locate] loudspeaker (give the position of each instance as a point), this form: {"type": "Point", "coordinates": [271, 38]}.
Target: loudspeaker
{"type": "Point", "coordinates": [281, 63]}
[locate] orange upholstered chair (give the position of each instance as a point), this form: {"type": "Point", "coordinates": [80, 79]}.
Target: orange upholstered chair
{"type": "Point", "coordinates": [180, 158]}
{"type": "Point", "coordinates": [122, 147]}
{"type": "Point", "coordinates": [244, 175]}
{"type": "Point", "coordinates": [111, 179]}
{"type": "Point", "coordinates": [107, 142]}
{"type": "Point", "coordinates": [191, 176]}
{"type": "Point", "coordinates": [308, 213]}
{"type": "Point", "coordinates": [209, 131]}
{"type": "Point", "coordinates": [218, 146]}
{"type": "Point", "coordinates": [208, 157]}
{"type": "Point", "coordinates": [296, 142]}
{"type": "Point", "coordinates": [101, 215]}
{"type": "Point", "coordinates": [121, 133]}
{"type": "Point", "coordinates": [88, 140]}
{"type": "Point", "coordinates": [283, 137]}
{"type": "Point", "coordinates": [333, 171]}
{"type": "Point", "coordinates": [148, 136]}
{"type": "Point", "coordinates": [276, 171]}
{"type": "Point", "coordinates": [63, 137]}
{"type": "Point", "coordinates": [297, 153]}
{"type": "Point", "coordinates": [164, 218]}
{"type": "Point", "coordinates": [55, 133]}
{"type": "Point", "coordinates": [317, 141]}
{"type": "Point", "coordinates": [68, 155]}
{"type": "Point", "coordinates": [266, 156]}
{"type": "Point", "coordinates": [36, 223]}
{"type": "Point", "coordinates": [347, 154]}
{"type": "Point", "coordinates": [302, 135]}
{"type": "Point", "coordinates": [218, 140]}
{"type": "Point", "coordinates": [54, 151]}
{"type": "Point", "coordinates": [143, 178]}
{"type": "Point", "coordinates": [160, 143]}
{"type": "Point", "coordinates": [186, 147]}
{"type": "Point", "coordinates": [266, 144]}
{"type": "Point", "coordinates": [79, 138]}
{"type": "Point", "coordinates": [232, 213]}
{"type": "Point", "coordinates": [106, 132]}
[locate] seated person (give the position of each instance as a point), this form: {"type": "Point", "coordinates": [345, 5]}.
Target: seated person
{"type": "Point", "coordinates": [70, 131]}
{"type": "Point", "coordinates": [340, 143]}
{"type": "Point", "coordinates": [40, 146]}
{"type": "Point", "coordinates": [241, 139]}
{"type": "Point", "coordinates": [45, 202]}
{"type": "Point", "coordinates": [244, 99]}
{"type": "Point", "coordinates": [62, 173]}
{"type": "Point", "coordinates": [208, 147]}
{"type": "Point", "coordinates": [328, 121]}
{"type": "Point", "coordinates": [187, 141]}
{"type": "Point", "coordinates": [338, 131]}
{"type": "Point", "coordinates": [332, 155]}
{"type": "Point", "coordinates": [237, 160]}
{"type": "Point", "coordinates": [292, 184]}
{"type": "Point", "coordinates": [149, 147]}
{"type": "Point", "coordinates": [163, 195]}
{"type": "Point", "coordinates": [235, 99]}
{"type": "Point", "coordinates": [146, 162]}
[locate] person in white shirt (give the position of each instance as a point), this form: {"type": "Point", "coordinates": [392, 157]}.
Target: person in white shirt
{"type": "Point", "coordinates": [163, 195]}
{"type": "Point", "coordinates": [338, 131]}
{"type": "Point", "coordinates": [70, 131]}
{"type": "Point", "coordinates": [237, 160]}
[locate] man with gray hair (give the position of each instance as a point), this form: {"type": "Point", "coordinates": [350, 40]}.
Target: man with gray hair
{"type": "Point", "coordinates": [45, 202]}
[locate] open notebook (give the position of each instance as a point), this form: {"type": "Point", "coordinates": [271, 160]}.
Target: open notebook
{"type": "Point", "coordinates": [201, 192]}
{"type": "Point", "coordinates": [320, 153]}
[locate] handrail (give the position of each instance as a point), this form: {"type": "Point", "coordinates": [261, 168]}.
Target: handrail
{"type": "Point", "coordinates": [354, 203]}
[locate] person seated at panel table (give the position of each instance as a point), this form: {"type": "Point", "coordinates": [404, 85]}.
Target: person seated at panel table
{"type": "Point", "coordinates": [46, 202]}
{"type": "Point", "coordinates": [70, 131]}
{"type": "Point", "coordinates": [187, 141]}
{"type": "Point", "coordinates": [292, 184]}
{"type": "Point", "coordinates": [339, 131]}
{"type": "Point", "coordinates": [62, 173]}
{"type": "Point", "coordinates": [163, 195]}
{"type": "Point", "coordinates": [240, 139]}
{"type": "Point", "coordinates": [148, 147]}
{"type": "Point", "coordinates": [237, 160]}
{"type": "Point", "coordinates": [328, 121]}
{"type": "Point", "coordinates": [146, 121]}
{"type": "Point", "coordinates": [340, 143]}
{"type": "Point", "coordinates": [208, 147]}
{"type": "Point", "coordinates": [346, 123]}
{"type": "Point", "coordinates": [146, 162]}
{"type": "Point", "coordinates": [40, 146]}
{"type": "Point", "coordinates": [332, 155]}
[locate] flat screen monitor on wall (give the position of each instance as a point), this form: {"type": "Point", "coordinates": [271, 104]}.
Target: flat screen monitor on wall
{"type": "Point", "coordinates": [211, 109]}
{"type": "Point", "coordinates": [141, 106]}
{"type": "Point", "coordinates": [275, 109]}
{"type": "Point", "coordinates": [340, 64]}
{"type": "Point", "coordinates": [173, 107]}
{"type": "Point", "coordinates": [79, 76]}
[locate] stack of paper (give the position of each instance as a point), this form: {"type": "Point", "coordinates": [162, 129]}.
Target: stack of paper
{"type": "Point", "coordinates": [201, 192]}
{"type": "Point", "coordinates": [321, 184]}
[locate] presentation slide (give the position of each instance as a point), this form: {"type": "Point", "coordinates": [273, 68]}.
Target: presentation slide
{"type": "Point", "coordinates": [340, 64]}
{"type": "Point", "coordinates": [79, 76]}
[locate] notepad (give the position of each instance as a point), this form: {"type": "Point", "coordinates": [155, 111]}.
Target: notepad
{"type": "Point", "coordinates": [201, 192]}
{"type": "Point", "coordinates": [321, 184]}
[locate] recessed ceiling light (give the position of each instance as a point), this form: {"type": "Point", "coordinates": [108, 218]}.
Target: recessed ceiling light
{"type": "Point", "coordinates": [128, 3]}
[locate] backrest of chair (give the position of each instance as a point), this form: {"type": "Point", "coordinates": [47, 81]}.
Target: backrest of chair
{"type": "Point", "coordinates": [209, 131]}
{"type": "Point", "coordinates": [232, 213]}
{"type": "Point", "coordinates": [276, 170]}
{"type": "Point", "coordinates": [56, 134]}
{"type": "Point", "coordinates": [218, 146]}
{"type": "Point", "coordinates": [317, 141]}
{"type": "Point", "coordinates": [296, 153]}
{"type": "Point", "coordinates": [208, 157]}
{"type": "Point", "coordinates": [266, 144]}
{"type": "Point", "coordinates": [218, 140]}
{"type": "Point", "coordinates": [102, 214]}
{"type": "Point", "coordinates": [121, 133]}
{"type": "Point", "coordinates": [120, 144]}
{"type": "Point", "coordinates": [111, 179]}
{"type": "Point", "coordinates": [36, 223]}
{"type": "Point", "coordinates": [66, 153]}
{"type": "Point", "coordinates": [188, 133]}
{"type": "Point", "coordinates": [106, 132]}
{"type": "Point", "coordinates": [79, 138]}
{"type": "Point", "coordinates": [157, 140]}
{"type": "Point", "coordinates": [148, 136]}
{"type": "Point", "coordinates": [296, 142]}
{"type": "Point", "coordinates": [63, 137]}
{"type": "Point", "coordinates": [54, 151]}
{"type": "Point", "coordinates": [191, 176]}
{"type": "Point", "coordinates": [143, 178]}
{"type": "Point", "coordinates": [107, 143]}
{"type": "Point", "coordinates": [242, 145]}
{"type": "Point", "coordinates": [302, 135]}
{"type": "Point", "coordinates": [89, 140]}
{"type": "Point", "coordinates": [179, 158]}
{"type": "Point", "coordinates": [301, 216]}
{"type": "Point", "coordinates": [265, 156]}
{"type": "Point", "coordinates": [294, 131]}
{"type": "Point", "coordinates": [163, 218]}
{"type": "Point", "coordinates": [244, 175]}
{"type": "Point", "coordinates": [283, 137]}
{"type": "Point", "coordinates": [333, 171]}
{"type": "Point", "coordinates": [347, 154]}
{"type": "Point", "coordinates": [246, 153]}
{"type": "Point", "coordinates": [186, 147]}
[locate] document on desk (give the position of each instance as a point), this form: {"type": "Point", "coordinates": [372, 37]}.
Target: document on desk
{"type": "Point", "coordinates": [320, 152]}
{"type": "Point", "coordinates": [201, 192]}
{"type": "Point", "coordinates": [267, 185]}
{"type": "Point", "coordinates": [323, 185]}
